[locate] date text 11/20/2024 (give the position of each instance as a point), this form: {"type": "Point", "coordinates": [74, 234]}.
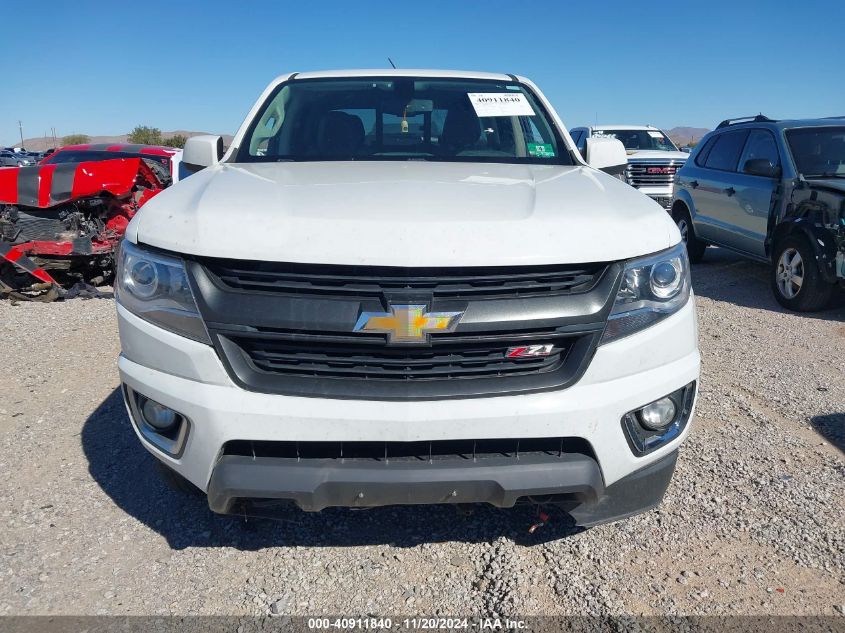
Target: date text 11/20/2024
{"type": "Point", "coordinates": [420, 623]}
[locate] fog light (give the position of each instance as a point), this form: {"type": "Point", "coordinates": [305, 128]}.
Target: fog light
{"type": "Point", "coordinates": [657, 415]}
{"type": "Point", "coordinates": [157, 415]}
{"type": "Point", "coordinates": [162, 427]}
{"type": "Point", "coordinates": [659, 422]}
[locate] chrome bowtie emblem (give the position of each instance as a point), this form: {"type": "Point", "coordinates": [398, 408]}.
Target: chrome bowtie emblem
{"type": "Point", "coordinates": [407, 323]}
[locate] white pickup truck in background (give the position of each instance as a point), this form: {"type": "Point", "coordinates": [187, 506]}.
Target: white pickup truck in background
{"type": "Point", "coordinates": [653, 159]}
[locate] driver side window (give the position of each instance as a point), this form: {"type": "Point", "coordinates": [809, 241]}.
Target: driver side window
{"type": "Point", "coordinates": [760, 144]}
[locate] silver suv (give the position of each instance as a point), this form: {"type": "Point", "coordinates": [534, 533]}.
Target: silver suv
{"type": "Point", "coordinates": [773, 191]}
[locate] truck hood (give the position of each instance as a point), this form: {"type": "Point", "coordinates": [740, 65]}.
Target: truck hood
{"type": "Point", "coordinates": [409, 213]}
{"type": "Point", "coordinates": [648, 154]}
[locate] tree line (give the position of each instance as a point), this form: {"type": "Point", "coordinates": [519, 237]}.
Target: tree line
{"type": "Point", "coordinates": [141, 135]}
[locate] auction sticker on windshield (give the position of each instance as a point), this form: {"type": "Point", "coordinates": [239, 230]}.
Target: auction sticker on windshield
{"type": "Point", "coordinates": [500, 104]}
{"type": "Point", "coordinates": [541, 150]}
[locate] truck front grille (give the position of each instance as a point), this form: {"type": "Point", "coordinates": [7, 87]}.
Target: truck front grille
{"type": "Point", "coordinates": [449, 356]}
{"type": "Point", "coordinates": [290, 328]}
{"type": "Point", "coordinates": [652, 173]}
{"type": "Point", "coordinates": [373, 281]}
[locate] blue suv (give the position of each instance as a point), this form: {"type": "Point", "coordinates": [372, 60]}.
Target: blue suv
{"type": "Point", "coordinates": [773, 191]}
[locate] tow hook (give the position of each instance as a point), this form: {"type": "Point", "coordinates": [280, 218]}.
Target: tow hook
{"type": "Point", "coordinates": [544, 518]}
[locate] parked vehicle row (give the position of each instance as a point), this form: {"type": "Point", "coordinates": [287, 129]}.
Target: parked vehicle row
{"type": "Point", "coordinates": [9, 158]}
{"type": "Point", "coordinates": [773, 191]}
{"type": "Point", "coordinates": [18, 157]}
{"type": "Point", "coordinates": [430, 293]}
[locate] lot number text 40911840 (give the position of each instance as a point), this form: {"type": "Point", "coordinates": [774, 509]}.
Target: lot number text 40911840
{"type": "Point", "coordinates": [420, 623]}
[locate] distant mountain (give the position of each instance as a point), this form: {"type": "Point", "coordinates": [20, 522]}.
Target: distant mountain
{"type": "Point", "coordinates": [683, 135]}
{"type": "Point", "coordinates": [41, 143]}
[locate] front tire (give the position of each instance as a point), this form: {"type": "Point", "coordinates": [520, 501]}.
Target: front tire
{"type": "Point", "coordinates": [695, 247]}
{"type": "Point", "coordinates": [796, 279]}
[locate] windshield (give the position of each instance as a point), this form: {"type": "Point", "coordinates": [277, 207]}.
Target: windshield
{"type": "Point", "coordinates": [640, 139]}
{"type": "Point", "coordinates": [407, 118]}
{"type": "Point", "coordinates": [818, 151]}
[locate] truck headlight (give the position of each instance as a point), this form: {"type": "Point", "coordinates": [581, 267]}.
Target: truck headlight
{"type": "Point", "coordinates": [652, 288]}
{"type": "Point", "coordinates": [155, 287]}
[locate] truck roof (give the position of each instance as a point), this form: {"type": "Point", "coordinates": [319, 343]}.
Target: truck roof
{"type": "Point", "coordinates": [403, 72]}
{"type": "Point", "coordinates": [623, 127]}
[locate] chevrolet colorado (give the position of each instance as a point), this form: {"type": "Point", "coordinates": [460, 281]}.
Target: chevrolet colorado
{"type": "Point", "coordinates": [407, 287]}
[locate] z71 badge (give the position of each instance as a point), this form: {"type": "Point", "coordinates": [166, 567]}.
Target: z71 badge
{"type": "Point", "coordinates": [530, 351]}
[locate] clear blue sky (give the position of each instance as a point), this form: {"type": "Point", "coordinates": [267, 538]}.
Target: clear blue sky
{"type": "Point", "coordinates": [104, 67]}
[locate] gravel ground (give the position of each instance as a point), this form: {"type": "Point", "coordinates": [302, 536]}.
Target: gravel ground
{"type": "Point", "coordinates": [753, 523]}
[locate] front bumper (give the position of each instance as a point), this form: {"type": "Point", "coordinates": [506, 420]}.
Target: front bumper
{"type": "Point", "coordinates": [244, 485]}
{"type": "Point", "coordinates": [624, 375]}
{"type": "Point", "coordinates": [662, 195]}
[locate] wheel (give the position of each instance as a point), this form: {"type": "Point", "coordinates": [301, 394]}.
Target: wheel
{"type": "Point", "coordinates": [175, 481]}
{"type": "Point", "coordinates": [796, 279]}
{"type": "Point", "coordinates": [695, 247]}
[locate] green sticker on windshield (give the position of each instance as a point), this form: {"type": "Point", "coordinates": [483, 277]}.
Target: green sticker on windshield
{"type": "Point", "coordinates": [541, 150]}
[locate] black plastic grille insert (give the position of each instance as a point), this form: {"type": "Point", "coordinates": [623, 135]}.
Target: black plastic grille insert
{"type": "Point", "coordinates": [372, 281]}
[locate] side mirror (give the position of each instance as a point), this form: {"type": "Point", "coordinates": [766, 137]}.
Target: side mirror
{"type": "Point", "coordinates": [761, 167]}
{"type": "Point", "coordinates": [202, 151]}
{"type": "Point", "coordinates": [607, 154]}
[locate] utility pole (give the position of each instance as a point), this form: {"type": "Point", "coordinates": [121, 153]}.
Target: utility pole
{"type": "Point", "coordinates": [20, 127]}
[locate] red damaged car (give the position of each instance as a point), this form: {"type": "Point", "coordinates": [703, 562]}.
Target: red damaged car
{"type": "Point", "coordinates": [61, 220]}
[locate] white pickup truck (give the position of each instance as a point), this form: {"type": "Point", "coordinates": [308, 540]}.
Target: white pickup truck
{"type": "Point", "coordinates": [402, 287]}
{"type": "Point", "coordinates": [653, 159]}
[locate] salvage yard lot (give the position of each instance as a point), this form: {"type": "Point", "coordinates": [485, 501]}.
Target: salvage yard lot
{"type": "Point", "coordinates": [754, 520]}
